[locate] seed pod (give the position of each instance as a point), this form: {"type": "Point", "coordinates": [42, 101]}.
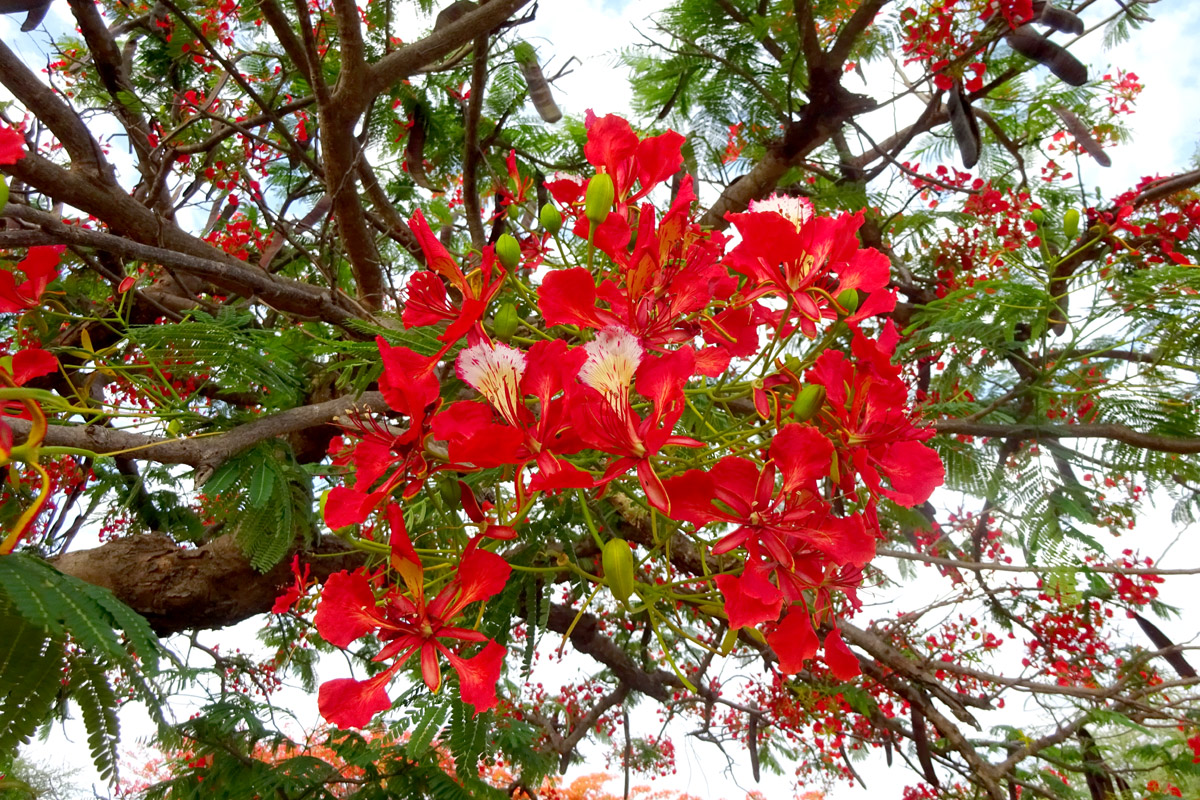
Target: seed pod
{"type": "Point", "coordinates": [1071, 223]}
{"type": "Point", "coordinates": [539, 88]}
{"type": "Point", "coordinates": [505, 323]}
{"type": "Point", "coordinates": [1031, 44]}
{"type": "Point", "coordinates": [551, 219]}
{"type": "Point", "coordinates": [964, 125]}
{"type": "Point", "coordinates": [848, 299]}
{"type": "Point", "coordinates": [1058, 19]}
{"type": "Point", "coordinates": [36, 11]}
{"type": "Point", "coordinates": [617, 560]}
{"type": "Point", "coordinates": [1083, 135]}
{"type": "Point", "coordinates": [508, 250]}
{"type": "Point", "coordinates": [808, 403]}
{"type": "Point", "coordinates": [414, 148]}
{"type": "Point", "coordinates": [452, 13]}
{"type": "Point", "coordinates": [598, 200]}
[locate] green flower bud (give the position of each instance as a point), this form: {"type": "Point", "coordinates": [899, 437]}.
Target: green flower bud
{"type": "Point", "coordinates": [505, 323]}
{"type": "Point", "coordinates": [808, 403]}
{"type": "Point", "coordinates": [508, 250]}
{"type": "Point", "coordinates": [617, 560]}
{"type": "Point", "coordinates": [450, 491]}
{"type": "Point", "coordinates": [551, 219]}
{"type": "Point", "coordinates": [1071, 223]}
{"type": "Point", "coordinates": [1038, 216]}
{"type": "Point", "coordinates": [598, 201]}
{"type": "Point", "coordinates": [848, 299]}
{"type": "Point", "coordinates": [3, 194]}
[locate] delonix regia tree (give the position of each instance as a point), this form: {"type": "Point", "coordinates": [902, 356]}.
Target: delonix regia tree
{"type": "Point", "coordinates": [317, 311]}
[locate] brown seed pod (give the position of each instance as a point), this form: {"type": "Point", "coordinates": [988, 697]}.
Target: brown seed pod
{"type": "Point", "coordinates": [36, 9]}
{"type": "Point", "coordinates": [1083, 135]}
{"type": "Point", "coordinates": [452, 13]}
{"type": "Point", "coordinates": [1031, 44]}
{"type": "Point", "coordinates": [964, 125]}
{"type": "Point", "coordinates": [539, 88]}
{"type": "Point", "coordinates": [414, 148]}
{"type": "Point", "coordinates": [1058, 19]}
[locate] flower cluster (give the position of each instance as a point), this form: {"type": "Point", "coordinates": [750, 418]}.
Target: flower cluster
{"type": "Point", "coordinates": [617, 353]}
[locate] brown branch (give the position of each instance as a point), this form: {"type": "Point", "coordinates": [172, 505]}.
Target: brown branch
{"type": "Point", "coordinates": [1113, 431]}
{"type": "Point", "coordinates": [401, 63]}
{"type": "Point", "coordinates": [587, 639]}
{"type": "Point", "coordinates": [286, 294]}
{"type": "Point", "coordinates": [210, 586]}
{"type": "Point", "coordinates": [471, 143]}
{"type": "Point", "coordinates": [202, 452]}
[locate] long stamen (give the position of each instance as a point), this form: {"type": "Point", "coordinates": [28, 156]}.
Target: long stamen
{"type": "Point", "coordinates": [495, 372]}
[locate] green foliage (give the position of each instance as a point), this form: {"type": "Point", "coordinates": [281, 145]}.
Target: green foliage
{"type": "Point", "coordinates": [60, 638]}
{"type": "Point", "coordinates": [267, 499]}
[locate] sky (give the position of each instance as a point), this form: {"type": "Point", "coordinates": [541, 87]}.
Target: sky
{"type": "Point", "coordinates": [1166, 132]}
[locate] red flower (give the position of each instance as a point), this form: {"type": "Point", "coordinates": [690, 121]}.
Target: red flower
{"type": "Point", "coordinates": [12, 145]}
{"type": "Point", "coordinates": [428, 302]}
{"type": "Point", "coordinates": [40, 267]}
{"type": "Point", "coordinates": [604, 418]}
{"type": "Point", "coordinates": [410, 625]}
{"type": "Point", "coordinates": [872, 430]}
{"type": "Point", "coordinates": [505, 377]}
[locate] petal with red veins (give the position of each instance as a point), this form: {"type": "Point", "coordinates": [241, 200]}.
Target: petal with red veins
{"type": "Point", "coordinates": [12, 146]}
{"type": "Point", "coordinates": [793, 640]}
{"type": "Point", "coordinates": [568, 297]}
{"type": "Point", "coordinates": [348, 703]}
{"type": "Point", "coordinates": [481, 574]}
{"type": "Point", "coordinates": [743, 608]}
{"type": "Point", "coordinates": [841, 660]}
{"type": "Point", "coordinates": [32, 363]}
{"type": "Point", "coordinates": [802, 454]}
{"type": "Point", "coordinates": [346, 610]}
{"type": "Point", "coordinates": [479, 675]}
{"type": "Point", "coordinates": [914, 470]}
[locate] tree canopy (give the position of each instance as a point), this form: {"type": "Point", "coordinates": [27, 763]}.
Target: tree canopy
{"type": "Point", "coordinates": [823, 371]}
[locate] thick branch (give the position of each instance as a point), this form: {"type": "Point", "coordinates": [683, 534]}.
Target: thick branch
{"type": "Point", "coordinates": [201, 451]}
{"type": "Point", "coordinates": [209, 586]}
{"type": "Point", "coordinates": [1113, 431]}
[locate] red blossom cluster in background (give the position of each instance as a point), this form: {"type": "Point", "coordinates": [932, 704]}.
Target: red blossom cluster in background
{"type": "Point", "coordinates": [671, 310]}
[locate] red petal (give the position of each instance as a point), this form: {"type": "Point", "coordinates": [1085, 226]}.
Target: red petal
{"type": "Point", "coordinates": [346, 610]}
{"type": "Point", "coordinates": [659, 157]}
{"type": "Point", "coordinates": [802, 454]}
{"type": "Point", "coordinates": [408, 383]}
{"type": "Point", "coordinates": [568, 297]}
{"type": "Point", "coordinates": [30, 364]}
{"type": "Point", "coordinates": [743, 609]}
{"type": "Point", "coordinates": [478, 676]}
{"type": "Point", "coordinates": [841, 660]}
{"type": "Point", "coordinates": [437, 257]}
{"type": "Point", "coordinates": [481, 575]}
{"type": "Point", "coordinates": [345, 506]}
{"type": "Point", "coordinates": [793, 640]}
{"type": "Point", "coordinates": [914, 470]}
{"type": "Point", "coordinates": [6, 439]}
{"type": "Point", "coordinates": [12, 146]}
{"type": "Point", "coordinates": [348, 703]}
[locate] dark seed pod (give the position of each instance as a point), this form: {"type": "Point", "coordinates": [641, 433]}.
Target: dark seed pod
{"type": "Point", "coordinates": [452, 13]}
{"type": "Point", "coordinates": [1058, 19]}
{"type": "Point", "coordinates": [1162, 642]}
{"type": "Point", "coordinates": [414, 148]}
{"type": "Point", "coordinates": [964, 125]}
{"type": "Point", "coordinates": [36, 9]}
{"type": "Point", "coordinates": [1083, 135]}
{"type": "Point", "coordinates": [539, 87]}
{"type": "Point", "coordinates": [921, 740]}
{"type": "Point", "coordinates": [1031, 44]}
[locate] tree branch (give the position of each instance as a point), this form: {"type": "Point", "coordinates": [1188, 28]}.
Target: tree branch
{"type": "Point", "coordinates": [1113, 431]}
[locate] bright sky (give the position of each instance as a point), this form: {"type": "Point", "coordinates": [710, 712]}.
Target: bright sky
{"type": "Point", "coordinates": [1166, 134]}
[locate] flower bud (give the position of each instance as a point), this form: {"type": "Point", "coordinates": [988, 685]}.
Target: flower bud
{"type": "Point", "coordinates": [505, 323]}
{"type": "Point", "coordinates": [808, 403]}
{"type": "Point", "coordinates": [1038, 216]}
{"type": "Point", "coordinates": [848, 299]}
{"type": "Point", "coordinates": [508, 250]}
{"type": "Point", "coordinates": [599, 198]}
{"type": "Point", "coordinates": [450, 491]}
{"type": "Point", "coordinates": [1071, 223]}
{"type": "Point", "coordinates": [617, 560]}
{"type": "Point", "coordinates": [3, 194]}
{"type": "Point", "coordinates": [551, 219]}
